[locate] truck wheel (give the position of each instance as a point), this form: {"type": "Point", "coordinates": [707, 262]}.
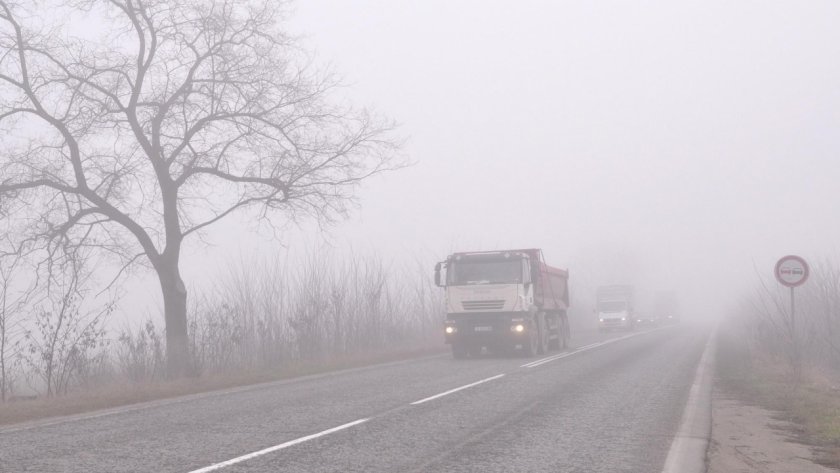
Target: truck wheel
{"type": "Point", "coordinates": [542, 335]}
{"type": "Point", "coordinates": [459, 351]}
{"type": "Point", "coordinates": [556, 343]}
{"type": "Point", "coordinates": [564, 333]}
{"type": "Point", "coordinates": [532, 347]}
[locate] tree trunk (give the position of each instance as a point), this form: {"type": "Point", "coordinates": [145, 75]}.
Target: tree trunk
{"type": "Point", "coordinates": [175, 312]}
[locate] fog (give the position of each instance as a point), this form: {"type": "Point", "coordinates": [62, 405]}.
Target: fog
{"type": "Point", "coordinates": [683, 146]}
{"type": "Point", "coordinates": [673, 146]}
{"type": "Point", "coordinates": [676, 147]}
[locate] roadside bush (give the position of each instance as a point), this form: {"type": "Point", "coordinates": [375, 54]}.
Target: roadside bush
{"type": "Point", "coordinates": [262, 314]}
{"type": "Point", "coordinates": [266, 313]}
{"type": "Point", "coordinates": [66, 342]}
{"type": "Point", "coordinates": [140, 355]}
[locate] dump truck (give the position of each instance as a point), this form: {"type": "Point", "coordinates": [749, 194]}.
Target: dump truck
{"type": "Point", "coordinates": [504, 301]}
{"type": "Point", "coordinates": [614, 307]}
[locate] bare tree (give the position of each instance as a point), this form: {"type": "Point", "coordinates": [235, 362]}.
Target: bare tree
{"type": "Point", "coordinates": [183, 113]}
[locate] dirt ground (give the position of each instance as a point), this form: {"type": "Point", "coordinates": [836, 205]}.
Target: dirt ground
{"type": "Point", "coordinates": [749, 439]}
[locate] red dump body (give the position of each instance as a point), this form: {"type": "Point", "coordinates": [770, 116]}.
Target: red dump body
{"type": "Point", "coordinates": [551, 285]}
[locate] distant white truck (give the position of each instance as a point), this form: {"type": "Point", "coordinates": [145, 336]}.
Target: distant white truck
{"type": "Point", "coordinates": [614, 307]}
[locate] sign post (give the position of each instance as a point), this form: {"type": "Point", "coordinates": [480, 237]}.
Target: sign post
{"type": "Point", "coordinates": [792, 271]}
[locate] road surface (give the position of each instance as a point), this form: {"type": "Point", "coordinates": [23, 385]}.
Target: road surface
{"type": "Point", "coordinates": [611, 404]}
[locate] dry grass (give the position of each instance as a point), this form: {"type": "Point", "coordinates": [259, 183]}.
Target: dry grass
{"type": "Point", "coordinates": [813, 404]}
{"type": "Point", "coordinates": [126, 394]}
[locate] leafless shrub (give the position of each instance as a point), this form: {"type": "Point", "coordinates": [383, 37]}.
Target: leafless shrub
{"type": "Point", "coordinates": [140, 355]}
{"type": "Point", "coordinates": [66, 339]}
{"type": "Point", "coordinates": [317, 308]}
{"type": "Point", "coordinates": [818, 302]}
{"type": "Point", "coordinates": [15, 294]}
{"type": "Point", "coordinates": [264, 314]}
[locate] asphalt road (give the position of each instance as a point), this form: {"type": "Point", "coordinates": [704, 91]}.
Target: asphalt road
{"type": "Point", "coordinates": [612, 404]}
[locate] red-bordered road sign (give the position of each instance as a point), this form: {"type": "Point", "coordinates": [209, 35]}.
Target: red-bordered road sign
{"type": "Point", "coordinates": [792, 271]}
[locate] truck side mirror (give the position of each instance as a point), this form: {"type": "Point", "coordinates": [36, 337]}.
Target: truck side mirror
{"type": "Point", "coordinates": [437, 275]}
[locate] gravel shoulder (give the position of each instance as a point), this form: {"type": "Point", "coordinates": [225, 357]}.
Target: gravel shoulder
{"type": "Point", "coordinates": [751, 439]}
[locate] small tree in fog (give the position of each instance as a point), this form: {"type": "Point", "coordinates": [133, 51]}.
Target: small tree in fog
{"type": "Point", "coordinates": [182, 113]}
{"type": "Point", "coordinates": [15, 293]}
{"type": "Point", "coordinates": [66, 335]}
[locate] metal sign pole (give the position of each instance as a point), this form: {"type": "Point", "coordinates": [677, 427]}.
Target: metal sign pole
{"type": "Point", "coordinates": [792, 271]}
{"type": "Point", "coordinates": [792, 313]}
{"type": "Point", "coordinates": [796, 365]}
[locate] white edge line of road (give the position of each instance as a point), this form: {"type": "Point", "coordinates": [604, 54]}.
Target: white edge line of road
{"type": "Point", "coordinates": [275, 448]}
{"type": "Point", "coordinates": [431, 398]}
{"type": "Point", "coordinates": [591, 346]}
{"type": "Point", "coordinates": [688, 449]}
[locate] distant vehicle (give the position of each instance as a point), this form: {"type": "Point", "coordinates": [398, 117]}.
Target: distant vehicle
{"type": "Point", "coordinates": [647, 319]}
{"type": "Point", "coordinates": [665, 307]}
{"type": "Point", "coordinates": [504, 301]}
{"type": "Point", "coordinates": [614, 307]}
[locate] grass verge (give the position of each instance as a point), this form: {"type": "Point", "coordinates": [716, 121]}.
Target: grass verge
{"type": "Point", "coordinates": [813, 404]}
{"type": "Point", "coordinates": [119, 395]}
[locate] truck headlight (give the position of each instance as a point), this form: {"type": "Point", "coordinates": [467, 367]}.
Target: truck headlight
{"type": "Point", "coordinates": [449, 329]}
{"type": "Point", "coordinates": [624, 319]}
{"type": "Point", "coordinates": [519, 328]}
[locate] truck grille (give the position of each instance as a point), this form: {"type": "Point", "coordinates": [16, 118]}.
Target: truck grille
{"type": "Point", "coordinates": [484, 305]}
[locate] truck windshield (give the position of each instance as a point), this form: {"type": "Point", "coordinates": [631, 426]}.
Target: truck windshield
{"type": "Point", "coordinates": [485, 272]}
{"type": "Point", "coordinates": [611, 306]}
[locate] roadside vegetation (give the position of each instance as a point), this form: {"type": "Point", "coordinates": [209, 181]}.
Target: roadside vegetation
{"type": "Point", "coordinates": [123, 147]}
{"type": "Point", "coordinates": [765, 357]}
{"type": "Point", "coordinates": [264, 320]}
{"type": "Point", "coordinates": [173, 116]}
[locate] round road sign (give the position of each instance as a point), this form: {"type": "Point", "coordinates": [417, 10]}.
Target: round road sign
{"type": "Point", "coordinates": [792, 271]}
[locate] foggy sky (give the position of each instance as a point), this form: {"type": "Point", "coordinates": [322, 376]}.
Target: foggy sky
{"type": "Point", "coordinates": [682, 142]}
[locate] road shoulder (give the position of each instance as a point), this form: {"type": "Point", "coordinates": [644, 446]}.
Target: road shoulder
{"type": "Point", "coordinates": [751, 439]}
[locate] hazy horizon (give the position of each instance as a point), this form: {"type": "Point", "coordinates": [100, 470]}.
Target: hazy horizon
{"type": "Point", "coordinates": [682, 145]}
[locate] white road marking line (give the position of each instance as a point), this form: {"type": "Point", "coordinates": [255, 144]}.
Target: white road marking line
{"type": "Point", "coordinates": [560, 355]}
{"type": "Point", "coordinates": [591, 345]}
{"type": "Point", "coordinates": [543, 361]}
{"type": "Point", "coordinates": [264, 451]}
{"type": "Point", "coordinates": [430, 398]}
{"type": "Point", "coordinates": [688, 449]}
{"type": "Point", "coordinates": [556, 357]}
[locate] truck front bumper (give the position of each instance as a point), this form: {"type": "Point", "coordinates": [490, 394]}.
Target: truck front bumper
{"type": "Point", "coordinates": [606, 324]}
{"type": "Point", "coordinates": [494, 328]}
